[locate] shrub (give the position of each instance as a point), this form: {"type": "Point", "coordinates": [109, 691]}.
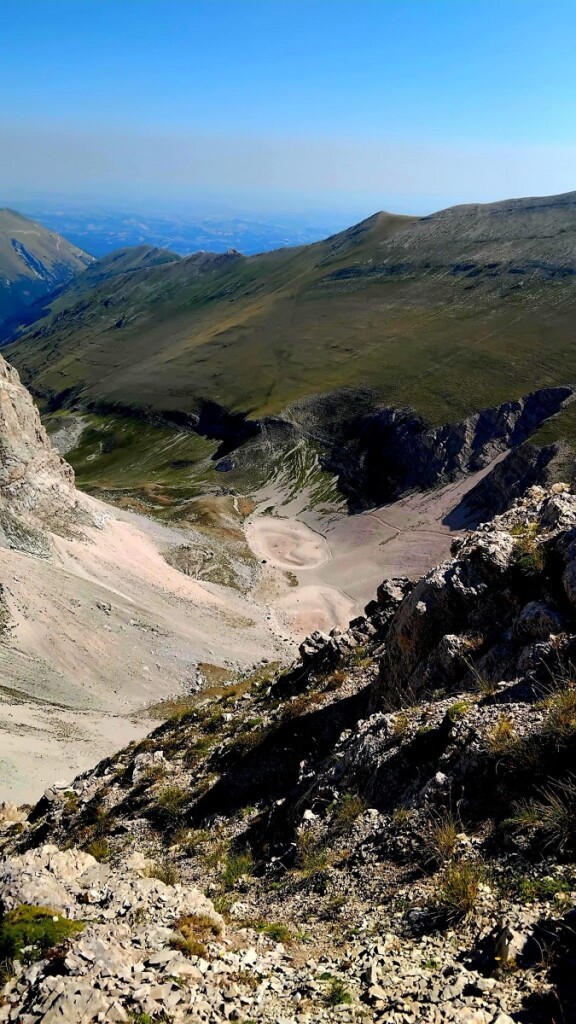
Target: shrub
{"type": "Point", "coordinates": [359, 657]}
{"type": "Point", "coordinates": [337, 993]}
{"type": "Point", "coordinates": [401, 816]}
{"type": "Point", "coordinates": [235, 866]}
{"type": "Point", "coordinates": [165, 871]}
{"type": "Point", "coordinates": [528, 557]}
{"type": "Point", "coordinates": [525, 814]}
{"type": "Point", "coordinates": [198, 750]}
{"type": "Point", "coordinates": [335, 680]}
{"type": "Point", "coordinates": [29, 932]}
{"type": "Point", "coordinates": [528, 889]}
{"type": "Point", "coordinates": [168, 807]}
{"type": "Point", "coordinates": [561, 714]}
{"type": "Point", "coordinates": [276, 931]}
{"type": "Point", "coordinates": [100, 850]}
{"type": "Point", "coordinates": [350, 807]}
{"type": "Point", "coordinates": [442, 837]}
{"type": "Point", "coordinates": [401, 724]}
{"type": "Point", "coordinates": [459, 887]}
{"type": "Point", "coordinates": [300, 705]}
{"type": "Point", "coordinates": [556, 811]}
{"type": "Point", "coordinates": [195, 930]}
{"type": "Point", "coordinates": [457, 711]}
{"type": "Point", "coordinates": [502, 737]}
{"type": "Point", "coordinates": [194, 840]}
{"type": "Point", "coordinates": [311, 854]}
{"type": "Point", "coordinates": [247, 740]}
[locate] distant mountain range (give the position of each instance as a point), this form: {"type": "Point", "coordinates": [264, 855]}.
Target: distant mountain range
{"type": "Point", "coordinates": [102, 231]}
{"type": "Point", "coordinates": [33, 262]}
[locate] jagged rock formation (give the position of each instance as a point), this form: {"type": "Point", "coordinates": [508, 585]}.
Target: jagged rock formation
{"type": "Point", "coordinates": [36, 484]}
{"type": "Point", "coordinates": [379, 453]}
{"type": "Point", "coordinates": [390, 451]}
{"type": "Point", "coordinates": [408, 776]}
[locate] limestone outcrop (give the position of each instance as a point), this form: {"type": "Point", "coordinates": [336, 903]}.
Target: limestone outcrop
{"type": "Point", "coordinates": [36, 485]}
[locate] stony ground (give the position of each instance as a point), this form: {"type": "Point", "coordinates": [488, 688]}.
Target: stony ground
{"type": "Point", "coordinates": [383, 833]}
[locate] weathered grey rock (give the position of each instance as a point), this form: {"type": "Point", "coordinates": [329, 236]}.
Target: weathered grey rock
{"type": "Point", "coordinates": [537, 621]}
{"type": "Point", "coordinates": [36, 484]}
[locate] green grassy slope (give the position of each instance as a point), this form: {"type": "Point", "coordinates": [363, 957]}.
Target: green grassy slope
{"type": "Point", "coordinates": [449, 313]}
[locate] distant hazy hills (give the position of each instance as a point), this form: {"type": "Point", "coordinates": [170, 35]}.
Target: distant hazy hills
{"type": "Point", "coordinates": [33, 262]}
{"type": "Point", "coordinates": [449, 313]}
{"type": "Point", "coordinates": [101, 231]}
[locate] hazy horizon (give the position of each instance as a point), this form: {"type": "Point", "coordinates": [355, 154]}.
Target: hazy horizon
{"type": "Point", "coordinates": [315, 108]}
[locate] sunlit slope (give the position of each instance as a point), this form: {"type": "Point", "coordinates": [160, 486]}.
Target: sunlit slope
{"type": "Point", "coordinates": [33, 261]}
{"type": "Point", "coordinates": [449, 313]}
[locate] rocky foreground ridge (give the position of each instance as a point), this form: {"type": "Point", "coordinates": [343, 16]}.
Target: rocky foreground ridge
{"type": "Point", "coordinates": [387, 832]}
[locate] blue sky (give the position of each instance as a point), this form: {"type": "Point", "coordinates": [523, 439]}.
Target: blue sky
{"type": "Point", "coordinates": [404, 104]}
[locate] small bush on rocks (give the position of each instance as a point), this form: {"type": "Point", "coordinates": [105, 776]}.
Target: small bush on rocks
{"type": "Point", "coordinates": [100, 850]}
{"type": "Point", "coordinates": [529, 889]}
{"type": "Point", "coordinates": [459, 887]}
{"type": "Point", "coordinates": [194, 840]}
{"type": "Point", "coordinates": [168, 807]}
{"type": "Point", "coordinates": [457, 711]}
{"type": "Point", "coordinates": [556, 811]}
{"type": "Point", "coordinates": [350, 807]}
{"type": "Point", "coordinates": [165, 871]}
{"type": "Point", "coordinates": [502, 737]}
{"type": "Point", "coordinates": [28, 932]}
{"type": "Point", "coordinates": [275, 930]}
{"type": "Point", "coordinates": [401, 724]}
{"type": "Point", "coordinates": [301, 704]}
{"type": "Point", "coordinates": [194, 931]}
{"type": "Point", "coordinates": [442, 837]}
{"type": "Point", "coordinates": [561, 714]}
{"type": "Point", "coordinates": [337, 993]}
{"type": "Point", "coordinates": [335, 680]}
{"type": "Point", "coordinates": [198, 750]}
{"type": "Point", "coordinates": [235, 866]}
{"type": "Point", "coordinates": [311, 855]}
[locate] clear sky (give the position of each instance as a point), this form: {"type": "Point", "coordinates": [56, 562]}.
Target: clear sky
{"type": "Point", "coordinates": [362, 104]}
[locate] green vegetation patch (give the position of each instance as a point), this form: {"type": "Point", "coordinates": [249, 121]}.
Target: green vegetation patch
{"type": "Point", "coordinates": [144, 466]}
{"type": "Point", "coordinates": [29, 932]}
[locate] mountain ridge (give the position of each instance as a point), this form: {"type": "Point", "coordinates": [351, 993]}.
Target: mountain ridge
{"type": "Point", "coordinates": [33, 261]}
{"type": "Point", "coordinates": [402, 303]}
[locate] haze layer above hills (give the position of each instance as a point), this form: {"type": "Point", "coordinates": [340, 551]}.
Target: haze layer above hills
{"type": "Point", "coordinates": [33, 262]}
{"type": "Point", "coordinates": [101, 231]}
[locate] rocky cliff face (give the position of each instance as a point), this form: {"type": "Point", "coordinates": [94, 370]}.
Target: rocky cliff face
{"type": "Point", "coordinates": [377, 454]}
{"type": "Point", "coordinates": [390, 451]}
{"type": "Point", "coordinates": [36, 484]}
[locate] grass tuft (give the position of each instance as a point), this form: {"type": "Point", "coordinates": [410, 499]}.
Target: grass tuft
{"type": "Point", "coordinates": [194, 931]}
{"type": "Point", "coordinates": [459, 887]}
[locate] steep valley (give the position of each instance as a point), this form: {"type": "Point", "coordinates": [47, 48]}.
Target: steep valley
{"type": "Point", "coordinates": [288, 629]}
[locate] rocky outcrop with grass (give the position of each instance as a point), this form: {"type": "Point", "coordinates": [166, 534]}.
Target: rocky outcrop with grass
{"type": "Point", "coordinates": [388, 829]}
